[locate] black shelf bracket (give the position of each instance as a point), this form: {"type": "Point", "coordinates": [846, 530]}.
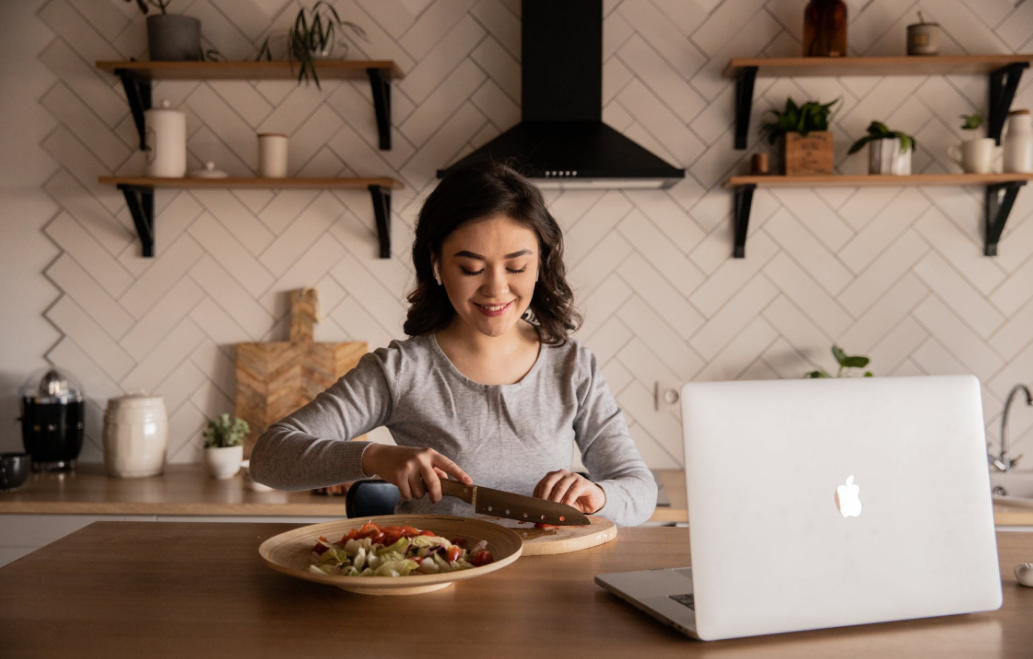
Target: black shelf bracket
{"type": "Point", "coordinates": [743, 104]}
{"type": "Point", "coordinates": [997, 211]}
{"type": "Point", "coordinates": [1003, 83]}
{"type": "Point", "coordinates": [140, 200]}
{"type": "Point", "coordinates": [743, 202]}
{"type": "Point", "coordinates": [138, 93]}
{"type": "Point", "coordinates": [382, 209]}
{"type": "Point", "coordinates": [381, 88]}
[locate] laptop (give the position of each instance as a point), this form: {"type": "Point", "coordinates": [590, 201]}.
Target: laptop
{"type": "Point", "coordinates": [825, 503]}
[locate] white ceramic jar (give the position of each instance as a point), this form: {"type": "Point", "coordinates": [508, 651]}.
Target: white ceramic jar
{"type": "Point", "coordinates": [136, 433]}
{"type": "Point", "coordinates": [224, 462]}
{"type": "Point", "coordinates": [166, 139]}
{"type": "Point", "coordinates": [1018, 143]}
{"type": "Point", "coordinates": [272, 155]}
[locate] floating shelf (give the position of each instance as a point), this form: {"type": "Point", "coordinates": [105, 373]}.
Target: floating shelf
{"type": "Point", "coordinates": [1004, 71]}
{"type": "Point", "coordinates": [996, 209]}
{"type": "Point", "coordinates": [139, 193]}
{"type": "Point", "coordinates": [137, 76]}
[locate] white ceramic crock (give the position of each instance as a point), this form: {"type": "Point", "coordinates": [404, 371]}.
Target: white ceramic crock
{"type": "Point", "coordinates": [223, 463]}
{"type": "Point", "coordinates": [1018, 144]}
{"type": "Point", "coordinates": [886, 157]}
{"type": "Point", "coordinates": [166, 138]}
{"type": "Point", "coordinates": [136, 433]}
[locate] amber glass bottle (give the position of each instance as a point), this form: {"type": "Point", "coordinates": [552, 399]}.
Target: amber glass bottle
{"type": "Point", "coordinates": [824, 29]}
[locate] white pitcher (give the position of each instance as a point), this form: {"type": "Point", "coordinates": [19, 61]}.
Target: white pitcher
{"type": "Point", "coordinates": [1018, 143]}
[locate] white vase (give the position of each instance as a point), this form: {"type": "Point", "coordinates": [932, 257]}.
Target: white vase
{"type": "Point", "coordinates": [136, 432]}
{"type": "Point", "coordinates": [1018, 144]}
{"type": "Point", "coordinates": [166, 139]}
{"type": "Point", "coordinates": [223, 463]}
{"type": "Point", "coordinates": [885, 156]}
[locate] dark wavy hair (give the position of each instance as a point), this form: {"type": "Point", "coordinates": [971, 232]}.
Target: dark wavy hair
{"type": "Point", "coordinates": [479, 191]}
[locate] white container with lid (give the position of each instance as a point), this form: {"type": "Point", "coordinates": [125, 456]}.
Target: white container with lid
{"type": "Point", "coordinates": [1018, 143]}
{"type": "Point", "coordinates": [166, 139]}
{"type": "Point", "coordinates": [136, 434]}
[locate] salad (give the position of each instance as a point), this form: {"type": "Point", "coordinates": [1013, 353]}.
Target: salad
{"type": "Point", "coordinates": [395, 551]}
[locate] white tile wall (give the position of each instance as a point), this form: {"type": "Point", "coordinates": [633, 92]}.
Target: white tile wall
{"type": "Point", "coordinates": [895, 274]}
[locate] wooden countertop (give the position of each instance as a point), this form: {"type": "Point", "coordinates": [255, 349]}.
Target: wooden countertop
{"type": "Point", "coordinates": [187, 490]}
{"type": "Point", "coordinates": [199, 589]}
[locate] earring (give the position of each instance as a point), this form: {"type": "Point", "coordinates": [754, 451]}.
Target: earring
{"type": "Point", "coordinates": [437, 275]}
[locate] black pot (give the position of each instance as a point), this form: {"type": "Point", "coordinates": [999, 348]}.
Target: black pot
{"type": "Point", "coordinates": [14, 470]}
{"type": "Point", "coordinates": [172, 38]}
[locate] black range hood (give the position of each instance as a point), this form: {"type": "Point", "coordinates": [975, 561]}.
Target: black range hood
{"type": "Point", "coordinates": [561, 141]}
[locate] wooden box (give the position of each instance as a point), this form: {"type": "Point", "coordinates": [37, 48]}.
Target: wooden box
{"type": "Point", "coordinates": [807, 155]}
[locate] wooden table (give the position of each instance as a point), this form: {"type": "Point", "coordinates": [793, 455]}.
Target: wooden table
{"type": "Point", "coordinates": [200, 590]}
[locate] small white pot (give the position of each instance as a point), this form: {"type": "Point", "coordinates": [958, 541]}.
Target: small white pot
{"type": "Point", "coordinates": [886, 157]}
{"type": "Point", "coordinates": [224, 462]}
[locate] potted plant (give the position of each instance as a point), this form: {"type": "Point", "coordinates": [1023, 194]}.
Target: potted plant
{"type": "Point", "coordinates": [807, 141]}
{"type": "Point", "coordinates": [889, 151]}
{"type": "Point", "coordinates": [976, 153]}
{"type": "Point", "coordinates": [845, 361]}
{"type": "Point", "coordinates": [224, 448]}
{"type": "Point", "coordinates": [314, 36]}
{"type": "Point", "coordinates": [170, 38]}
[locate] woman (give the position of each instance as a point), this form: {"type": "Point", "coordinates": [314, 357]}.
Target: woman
{"type": "Point", "coordinates": [489, 389]}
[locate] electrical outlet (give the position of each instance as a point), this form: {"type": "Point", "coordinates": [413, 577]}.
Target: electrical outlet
{"type": "Point", "coordinates": [667, 395]}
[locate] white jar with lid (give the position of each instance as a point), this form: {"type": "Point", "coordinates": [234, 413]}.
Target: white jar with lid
{"type": "Point", "coordinates": [166, 140]}
{"type": "Point", "coordinates": [1018, 143]}
{"type": "Point", "coordinates": [136, 433]}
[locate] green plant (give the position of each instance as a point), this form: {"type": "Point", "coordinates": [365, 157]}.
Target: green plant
{"type": "Point", "coordinates": [878, 131]}
{"type": "Point", "coordinates": [972, 121]}
{"type": "Point", "coordinates": [222, 433]}
{"type": "Point", "coordinates": [845, 361]}
{"type": "Point", "coordinates": [163, 5]}
{"type": "Point", "coordinates": [803, 119]}
{"type": "Point", "coordinates": [314, 33]}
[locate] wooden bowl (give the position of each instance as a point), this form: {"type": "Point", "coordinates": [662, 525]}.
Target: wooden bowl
{"type": "Point", "coordinates": [291, 552]}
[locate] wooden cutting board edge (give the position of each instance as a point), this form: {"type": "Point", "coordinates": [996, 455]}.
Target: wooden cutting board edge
{"type": "Point", "coordinates": [567, 539]}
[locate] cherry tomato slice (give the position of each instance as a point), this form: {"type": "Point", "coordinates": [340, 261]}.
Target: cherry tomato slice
{"type": "Point", "coordinates": [482, 558]}
{"type": "Point", "coordinates": [453, 554]}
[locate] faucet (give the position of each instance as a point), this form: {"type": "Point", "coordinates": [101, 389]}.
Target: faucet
{"type": "Point", "coordinates": [1004, 462]}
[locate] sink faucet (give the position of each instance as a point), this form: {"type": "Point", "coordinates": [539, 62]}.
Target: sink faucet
{"type": "Point", "coordinates": [1004, 462]}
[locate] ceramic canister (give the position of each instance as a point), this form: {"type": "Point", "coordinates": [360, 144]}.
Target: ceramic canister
{"type": "Point", "coordinates": [136, 432]}
{"type": "Point", "coordinates": [166, 140]}
{"type": "Point", "coordinates": [272, 155]}
{"type": "Point", "coordinates": [1018, 143]}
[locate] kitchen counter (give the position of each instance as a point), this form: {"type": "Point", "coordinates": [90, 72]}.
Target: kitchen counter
{"type": "Point", "coordinates": [187, 490]}
{"type": "Point", "coordinates": [201, 590]}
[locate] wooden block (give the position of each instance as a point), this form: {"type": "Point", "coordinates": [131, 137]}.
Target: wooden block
{"type": "Point", "coordinates": [807, 155]}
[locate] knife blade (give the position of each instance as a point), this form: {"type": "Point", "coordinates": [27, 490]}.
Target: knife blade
{"type": "Point", "coordinates": [487, 501]}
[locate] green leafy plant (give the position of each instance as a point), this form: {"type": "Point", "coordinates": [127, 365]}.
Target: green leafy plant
{"type": "Point", "coordinates": [972, 121]}
{"type": "Point", "coordinates": [161, 5]}
{"type": "Point", "coordinates": [878, 131]}
{"type": "Point", "coordinates": [313, 36]}
{"type": "Point", "coordinates": [223, 433]}
{"type": "Point", "coordinates": [845, 361]}
{"type": "Point", "coordinates": [809, 117]}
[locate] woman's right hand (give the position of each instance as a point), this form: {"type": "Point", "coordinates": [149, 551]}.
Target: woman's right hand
{"type": "Point", "coordinates": [414, 471]}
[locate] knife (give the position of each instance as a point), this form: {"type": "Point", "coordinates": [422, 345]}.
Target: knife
{"type": "Point", "coordinates": [487, 501]}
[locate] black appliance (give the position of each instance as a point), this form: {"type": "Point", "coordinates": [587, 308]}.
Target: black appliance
{"type": "Point", "coordinates": [52, 419]}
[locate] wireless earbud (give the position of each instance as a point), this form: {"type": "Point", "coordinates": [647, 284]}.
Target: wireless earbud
{"type": "Point", "coordinates": [437, 275]}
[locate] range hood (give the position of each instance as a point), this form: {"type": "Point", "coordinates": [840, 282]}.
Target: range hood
{"type": "Point", "coordinates": [561, 140]}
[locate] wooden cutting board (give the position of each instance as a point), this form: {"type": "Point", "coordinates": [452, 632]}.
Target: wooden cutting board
{"type": "Point", "coordinates": [274, 379]}
{"type": "Point", "coordinates": [561, 539]}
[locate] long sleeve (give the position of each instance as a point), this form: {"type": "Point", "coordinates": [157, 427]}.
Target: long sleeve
{"type": "Point", "coordinates": [310, 448]}
{"type": "Point", "coordinates": [608, 451]}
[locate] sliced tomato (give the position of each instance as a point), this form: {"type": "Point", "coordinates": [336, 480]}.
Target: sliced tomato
{"type": "Point", "coordinates": [539, 525]}
{"type": "Point", "coordinates": [453, 554]}
{"type": "Point", "coordinates": [391, 537]}
{"type": "Point", "coordinates": [482, 558]}
{"type": "Point", "coordinates": [409, 531]}
{"type": "Point", "coordinates": [350, 535]}
{"type": "Point", "coordinates": [459, 541]}
{"type": "Point", "coordinates": [428, 533]}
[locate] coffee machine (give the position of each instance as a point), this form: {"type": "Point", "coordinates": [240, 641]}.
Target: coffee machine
{"type": "Point", "coordinates": [52, 419]}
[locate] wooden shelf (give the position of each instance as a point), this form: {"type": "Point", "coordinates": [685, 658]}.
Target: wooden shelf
{"type": "Point", "coordinates": [1004, 72]}
{"type": "Point", "coordinates": [869, 180]}
{"type": "Point", "coordinates": [139, 194]}
{"type": "Point", "coordinates": [137, 76]}
{"type": "Point", "coordinates": [995, 208]}
{"type": "Point", "coordinates": [325, 69]}
{"type": "Point", "coordinates": [913, 65]}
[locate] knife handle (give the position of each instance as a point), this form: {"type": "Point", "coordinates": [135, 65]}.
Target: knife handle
{"type": "Point", "coordinates": [456, 489]}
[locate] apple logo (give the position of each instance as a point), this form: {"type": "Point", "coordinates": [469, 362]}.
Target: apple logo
{"type": "Point", "coordinates": [847, 499]}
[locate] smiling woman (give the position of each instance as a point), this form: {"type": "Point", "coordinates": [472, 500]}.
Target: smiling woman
{"type": "Point", "coordinates": [490, 378]}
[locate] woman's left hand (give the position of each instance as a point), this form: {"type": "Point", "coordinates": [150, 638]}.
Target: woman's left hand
{"type": "Point", "coordinates": [572, 489]}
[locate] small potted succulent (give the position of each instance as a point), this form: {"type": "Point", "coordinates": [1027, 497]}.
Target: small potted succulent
{"type": "Point", "coordinates": [314, 37]}
{"type": "Point", "coordinates": [889, 151]}
{"type": "Point", "coordinates": [224, 446]}
{"type": "Point", "coordinates": [845, 361]}
{"type": "Point", "coordinates": [807, 140]}
{"type": "Point", "coordinates": [976, 153]}
{"type": "Point", "coordinates": [170, 38]}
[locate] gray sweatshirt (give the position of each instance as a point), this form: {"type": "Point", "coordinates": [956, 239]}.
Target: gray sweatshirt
{"type": "Point", "coordinates": [504, 436]}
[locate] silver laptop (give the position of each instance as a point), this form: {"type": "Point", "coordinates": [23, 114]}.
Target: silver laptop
{"type": "Point", "coordinates": [824, 503]}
